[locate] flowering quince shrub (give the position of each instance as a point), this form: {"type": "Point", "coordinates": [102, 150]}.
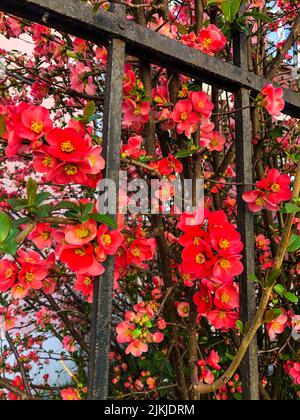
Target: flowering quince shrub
{"type": "Point", "coordinates": [177, 323]}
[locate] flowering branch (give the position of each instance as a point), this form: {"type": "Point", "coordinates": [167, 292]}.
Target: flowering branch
{"type": "Point", "coordinates": [267, 292]}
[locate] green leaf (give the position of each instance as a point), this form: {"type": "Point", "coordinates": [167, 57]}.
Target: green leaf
{"type": "Point", "coordinates": [88, 208]}
{"type": "Point", "coordinates": [279, 289]}
{"type": "Point", "coordinates": [106, 220]}
{"type": "Point", "coordinates": [9, 247]}
{"type": "Point", "coordinates": [259, 16]}
{"type": "Point", "coordinates": [42, 211]}
{"type": "Point", "coordinates": [18, 203]}
{"type": "Point", "coordinates": [230, 9]}
{"type": "Point", "coordinates": [31, 191]}
{"type": "Point", "coordinates": [41, 197]}
{"type": "Point", "coordinates": [137, 333]}
{"type": "Point", "coordinates": [294, 244]}
{"type": "Point", "coordinates": [273, 277]}
{"type": "Point", "coordinates": [5, 226]}
{"type": "Point", "coordinates": [184, 153]}
{"type": "Point", "coordinates": [291, 297]}
{"type": "Point", "coordinates": [67, 205]}
{"type": "Point", "coordinates": [291, 208]}
{"type": "Point", "coordinates": [240, 326]}
{"type": "Point", "coordinates": [88, 112]}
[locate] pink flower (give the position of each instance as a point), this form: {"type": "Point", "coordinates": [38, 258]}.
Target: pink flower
{"type": "Point", "coordinates": [187, 120]}
{"type": "Point", "coordinates": [42, 236]}
{"type": "Point", "coordinates": [133, 148]}
{"type": "Point", "coordinates": [183, 309]}
{"type": "Point", "coordinates": [69, 344]}
{"type": "Point", "coordinates": [277, 326]}
{"type": "Point", "coordinates": [213, 360]}
{"type": "Point", "coordinates": [216, 142]}
{"type": "Point", "coordinates": [137, 348]}
{"type": "Point", "coordinates": [136, 111]}
{"type": "Point", "coordinates": [271, 99]}
{"type": "Point", "coordinates": [258, 200]}
{"type": "Point", "coordinates": [125, 332]}
{"type": "Point", "coordinates": [80, 79]}
{"type": "Point", "coordinates": [70, 394]}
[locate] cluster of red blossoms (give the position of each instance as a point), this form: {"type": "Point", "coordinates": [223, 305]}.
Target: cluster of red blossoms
{"type": "Point", "coordinates": [211, 254]}
{"type": "Point", "coordinates": [31, 274]}
{"type": "Point", "coordinates": [135, 330]}
{"type": "Point", "coordinates": [271, 192]}
{"type": "Point", "coordinates": [83, 248]}
{"type": "Point", "coordinates": [210, 40]}
{"type": "Point", "coordinates": [66, 156]}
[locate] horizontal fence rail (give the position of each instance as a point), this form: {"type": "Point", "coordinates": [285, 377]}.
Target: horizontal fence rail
{"type": "Point", "coordinates": [78, 19]}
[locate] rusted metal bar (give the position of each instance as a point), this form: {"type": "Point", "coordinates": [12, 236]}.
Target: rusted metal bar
{"type": "Point", "coordinates": [244, 147]}
{"type": "Point", "coordinates": [103, 294]}
{"type": "Point", "coordinates": [78, 19]}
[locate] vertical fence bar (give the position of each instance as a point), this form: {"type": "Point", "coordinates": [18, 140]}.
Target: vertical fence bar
{"type": "Point", "coordinates": [103, 294]}
{"type": "Point", "coordinates": [244, 155]}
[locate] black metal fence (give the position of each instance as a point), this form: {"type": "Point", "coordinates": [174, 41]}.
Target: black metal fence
{"type": "Point", "coordinates": [126, 37]}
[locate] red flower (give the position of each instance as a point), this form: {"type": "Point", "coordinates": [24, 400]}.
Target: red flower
{"type": "Point", "coordinates": [213, 360]}
{"type": "Point", "coordinates": [31, 276]}
{"type": "Point", "coordinates": [170, 165]}
{"type": "Point", "coordinates": [81, 260]}
{"type": "Point", "coordinates": [277, 186]}
{"type": "Point", "coordinates": [211, 39]}
{"type": "Point", "coordinates": [133, 148]}
{"type": "Point", "coordinates": [81, 234]}
{"type": "Point", "coordinates": [35, 123]}
{"type": "Point", "coordinates": [227, 297]}
{"type": "Point", "coordinates": [258, 200]}
{"type": "Point", "coordinates": [220, 318]}
{"type": "Point", "coordinates": [109, 240]}
{"type": "Point", "coordinates": [139, 251]}
{"type": "Point", "coordinates": [198, 259]}
{"type": "Point", "coordinates": [201, 103]}
{"type": "Point", "coordinates": [227, 267]}
{"type": "Point", "coordinates": [8, 273]}
{"type": "Point", "coordinates": [84, 284]}
{"type": "Point", "coordinates": [203, 300]}
{"type": "Point", "coordinates": [71, 173]}
{"type": "Point", "coordinates": [70, 394]}
{"type": "Point", "coordinates": [226, 240]}
{"type": "Point", "coordinates": [187, 120]}
{"type": "Point", "coordinates": [67, 145]}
